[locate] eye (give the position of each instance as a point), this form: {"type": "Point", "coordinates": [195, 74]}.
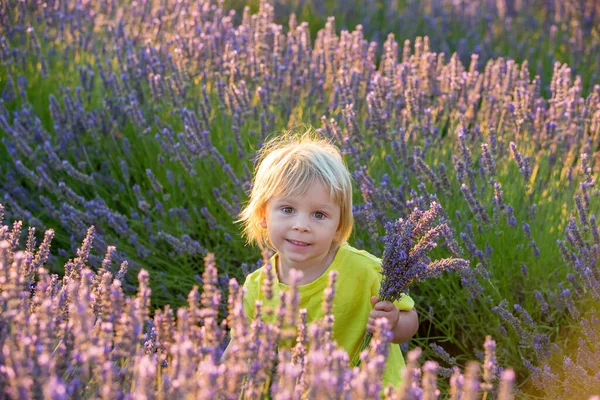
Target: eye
{"type": "Point", "coordinates": [320, 215]}
{"type": "Point", "coordinates": [287, 210]}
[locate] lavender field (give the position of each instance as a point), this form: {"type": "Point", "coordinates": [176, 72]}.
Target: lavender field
{"type": "Point", "coordinates": [128, 130]}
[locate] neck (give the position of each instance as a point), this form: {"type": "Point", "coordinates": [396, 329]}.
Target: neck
{"type": "Point", "coordinates": [310, 272]}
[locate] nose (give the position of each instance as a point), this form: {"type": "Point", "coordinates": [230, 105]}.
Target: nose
{"type": "Point", "coordinates": [301, 224]}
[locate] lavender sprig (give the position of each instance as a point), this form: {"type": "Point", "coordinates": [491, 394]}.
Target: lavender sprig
{"type": "Point", "coordinates": [405, 260]}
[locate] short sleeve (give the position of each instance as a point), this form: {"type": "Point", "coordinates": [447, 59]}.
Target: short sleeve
{"type": "Point", "coordinates": [405, 303]}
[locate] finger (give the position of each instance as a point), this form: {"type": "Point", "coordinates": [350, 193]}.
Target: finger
{"type": "Point", "coordinates": [370, 328]}
{"type": "Point", "coordinates": [385, 306]}
{"type": "Point", "coordinates": [374, 300]}
{"type": "Point", "coordinates": [380, 314]}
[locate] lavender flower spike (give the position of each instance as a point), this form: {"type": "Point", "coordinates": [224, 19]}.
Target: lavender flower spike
{"type": "Point", "coordinates": [490, 366]}
{"type": "Point", "coordinates": [405, 260]}
{"type": "Point", "coordinates": [507, 381]}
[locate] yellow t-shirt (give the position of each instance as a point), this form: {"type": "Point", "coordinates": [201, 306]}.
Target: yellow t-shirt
{"type": "Point", "coordinates": [358, 279]}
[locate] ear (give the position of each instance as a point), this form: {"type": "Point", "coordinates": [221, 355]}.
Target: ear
{"type": "Point", "coordinates": [262, 215]}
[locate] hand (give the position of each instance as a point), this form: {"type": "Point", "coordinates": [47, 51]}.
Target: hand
{"type": "Point", "coordinates": [382, 309]}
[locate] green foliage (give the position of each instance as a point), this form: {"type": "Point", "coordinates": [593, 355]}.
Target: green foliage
{"type": "Point", "coordinates": [457, 320]}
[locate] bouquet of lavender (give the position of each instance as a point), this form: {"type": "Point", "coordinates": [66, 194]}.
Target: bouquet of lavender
{"type": "Point", "coordinates": [405, 259]}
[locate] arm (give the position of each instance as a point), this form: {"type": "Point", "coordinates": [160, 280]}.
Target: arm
{"type": "Point", "coordinates": [406, 327]}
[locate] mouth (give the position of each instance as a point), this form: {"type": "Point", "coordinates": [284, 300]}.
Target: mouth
{"type": "Point", "coordinates": [298, 243]}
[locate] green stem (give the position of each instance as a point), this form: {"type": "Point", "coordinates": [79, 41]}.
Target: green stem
{"type": "Point", "coordinates": [365, 343]}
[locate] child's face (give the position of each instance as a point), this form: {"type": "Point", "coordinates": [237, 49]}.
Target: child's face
{"type": "Point", "coordinates": [302, 228]}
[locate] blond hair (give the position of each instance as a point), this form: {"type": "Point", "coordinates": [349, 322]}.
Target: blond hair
{"type": "Point", "coordinates": [286, 166]}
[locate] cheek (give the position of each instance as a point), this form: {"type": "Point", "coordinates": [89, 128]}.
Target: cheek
{"type": "Point", "coordinates": [332, 231]}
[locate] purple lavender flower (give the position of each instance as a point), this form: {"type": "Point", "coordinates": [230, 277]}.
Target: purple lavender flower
{"type": "Point", "coordinates": [507, 381]}
{"type": "Point", "coordinates": [457, 381]}
{"type": "Point", "coordinates": [488, 160]}
{"type": "Point", "coordinates": [511, 221]}
{"type": "Point", "coordinates": [439, 350]}
{"type": "Point", "coordinates": [490, 364]}
{"type": "Point", "coordinates": [472, 385]}
{"type": "Point", "coordinates": [526, 230]}
{"type": "Point", "coordinates": [405, 259]}
{"type": "Point", "coordinates": [522, 162]}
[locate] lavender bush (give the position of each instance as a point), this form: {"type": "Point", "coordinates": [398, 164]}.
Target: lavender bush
{"type": "Point", "coordinates": [539, 31]}
{"type": "Point", "coordinates": [140, 118]}
{"type": "Point", "coordinates": [80, 336]}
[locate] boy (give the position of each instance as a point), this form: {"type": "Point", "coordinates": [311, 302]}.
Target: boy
{"type": "Point", "coordinates": [301, 207]}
